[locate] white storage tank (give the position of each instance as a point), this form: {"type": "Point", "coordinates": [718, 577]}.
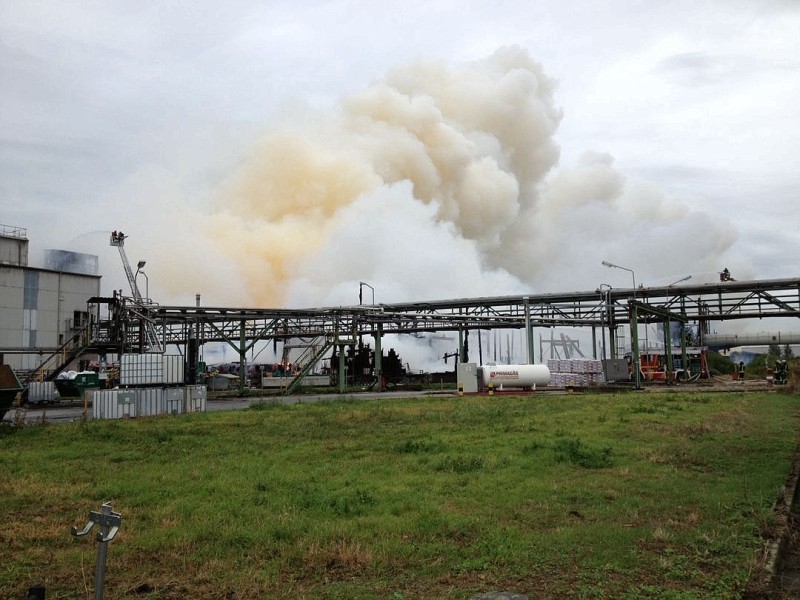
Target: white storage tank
{"type": "Point", "coordinates": [516, 376]}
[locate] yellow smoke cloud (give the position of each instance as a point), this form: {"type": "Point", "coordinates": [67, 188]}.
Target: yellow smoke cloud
{"type": "Point", "coordinates": [469, 140]}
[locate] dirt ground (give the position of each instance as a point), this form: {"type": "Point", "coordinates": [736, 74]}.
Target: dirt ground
{"type": "Point", "coordinates": [778, 577]}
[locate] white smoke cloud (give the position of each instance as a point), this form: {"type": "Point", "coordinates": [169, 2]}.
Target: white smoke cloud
{"type": "Point", "coordinates": [396, 244]}
{"type": "Point", "coordinates": [592, 212]}
{"type": "Point", "coordinates": [440, 182]}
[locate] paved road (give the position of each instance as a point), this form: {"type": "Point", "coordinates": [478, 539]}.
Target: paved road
{"type": "Point", "coordinates": [55, 413]}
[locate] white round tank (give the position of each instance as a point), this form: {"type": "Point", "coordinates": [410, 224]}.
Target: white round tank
{"type": "Point", "coordinates": [525, 376]}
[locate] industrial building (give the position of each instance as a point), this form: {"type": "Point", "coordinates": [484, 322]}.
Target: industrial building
{"type": "Point", "coordinates": [40, 308]}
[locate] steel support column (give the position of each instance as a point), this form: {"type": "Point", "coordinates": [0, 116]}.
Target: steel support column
{"type": "Point", "coordinates": [528, 329]}
{"type": "Point", "coordinates": [684, 356]}
{"type": "Point", "coordinates": [379, 356]}
{"type": "Point", "coordinates": [635, 362]}
{"type": "Point", "coordinates": [668, 351]}
{"type": "Point", "coordinates": [242, 357]}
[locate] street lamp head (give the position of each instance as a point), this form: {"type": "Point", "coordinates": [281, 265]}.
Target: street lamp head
{"type": "Point", "coordinates": [605, 263]}
{"type": "Point", "coordinates": [361, 285]}
{"type": "Point", "coordinates": [141, 264]}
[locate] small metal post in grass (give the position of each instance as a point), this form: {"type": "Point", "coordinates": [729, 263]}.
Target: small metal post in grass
{"type": "Point", "coordinates": [109, 522]}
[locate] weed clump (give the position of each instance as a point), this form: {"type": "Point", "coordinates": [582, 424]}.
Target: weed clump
{"type": "Point", "coordinates": [572, 450]}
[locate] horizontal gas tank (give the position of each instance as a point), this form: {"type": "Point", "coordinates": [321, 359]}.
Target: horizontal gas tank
{"type": "Point", "coordinates": [524, 376]}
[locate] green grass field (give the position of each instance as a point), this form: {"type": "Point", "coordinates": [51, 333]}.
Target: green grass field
{"type": "Point", "coordinates": [646, 495]}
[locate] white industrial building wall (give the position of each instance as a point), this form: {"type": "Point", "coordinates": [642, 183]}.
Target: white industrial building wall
{"type": "Point", "coordinates": [60, 296]}
{"type": "Point", "coordinates": [12, 281]}
{"type": "Point", "coordinates": [38, 316]}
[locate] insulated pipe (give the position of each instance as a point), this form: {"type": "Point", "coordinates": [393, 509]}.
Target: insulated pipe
{"type": "Point", "coordinates": [730, 340]}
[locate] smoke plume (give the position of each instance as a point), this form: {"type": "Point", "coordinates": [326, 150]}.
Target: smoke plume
{"type": "Point", "coordinates": [440, 182]}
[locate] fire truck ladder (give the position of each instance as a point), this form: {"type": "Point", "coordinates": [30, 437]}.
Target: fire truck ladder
{"type": "Point", "coordinates": [118, 240]}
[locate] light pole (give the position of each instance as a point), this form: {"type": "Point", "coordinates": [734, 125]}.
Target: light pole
{"type": "Point", "coordinates": [361, 285]}
{"type": "Point", "coordinates": [634, 326]}
{"type": "Point", "coordinates": [633, 275]}
{"type": "Point", "coordinates": [139, 266]}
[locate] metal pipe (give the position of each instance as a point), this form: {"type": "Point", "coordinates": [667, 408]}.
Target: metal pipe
{"type": "Point", "coordinates": [729, 340]}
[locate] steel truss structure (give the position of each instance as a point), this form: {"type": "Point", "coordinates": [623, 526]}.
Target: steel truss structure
{"type": "Point", "coordinates": [122, 329]}
{"type": "Point", "coordinates": [128, 324]}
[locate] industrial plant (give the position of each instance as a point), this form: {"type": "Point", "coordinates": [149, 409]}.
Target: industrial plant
{"type": "Point", "coordinates": [60, 337]}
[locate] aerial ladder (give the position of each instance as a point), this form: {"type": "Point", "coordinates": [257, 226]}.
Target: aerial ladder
{"type": "Point", "coordinates": [153, 344]}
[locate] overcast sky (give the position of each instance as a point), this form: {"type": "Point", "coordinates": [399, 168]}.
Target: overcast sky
{"type": "Point", "coordinates": [129, 114]}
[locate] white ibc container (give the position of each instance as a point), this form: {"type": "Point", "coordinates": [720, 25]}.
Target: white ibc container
{"type": "Point", "coordinates": [41, 391]}
{"type": "Point", "coordinates": [141, 369]}
{"type": "Point", "coordinates": [173, 401]}
{"type": "Point", "coordinates": [195, 398]}
{"type": "Point", "coordinates": [113, 404]}
{"type": "Point", "coordinates": [149, 402]}
{"type": "Point", "coordinates": [172, 369]}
